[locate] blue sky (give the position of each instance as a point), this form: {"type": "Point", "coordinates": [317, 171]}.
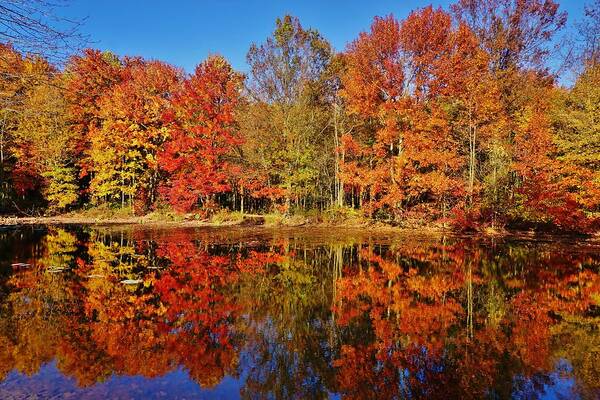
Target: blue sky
{"type": "Point", "coordinates": [184, 32]}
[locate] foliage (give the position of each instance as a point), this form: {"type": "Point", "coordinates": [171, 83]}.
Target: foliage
{"type": "Point", "coordinates": [446, 117]}
{"type": "Point", "coordinates": [202, 133]}
{"type": "Point", "coordinates": [124, 149]}
{"type": "Point", "coordinates": [287, 105]}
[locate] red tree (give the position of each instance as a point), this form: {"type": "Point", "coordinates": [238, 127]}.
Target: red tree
{"type": "Point", "coordinates": [202, 133]}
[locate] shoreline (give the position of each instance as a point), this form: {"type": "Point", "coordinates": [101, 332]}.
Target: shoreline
{"type": "Point", "coordinates": [249, 221]}
{"type": "Point", "coordinates": [257, 222]}
{"type": "Point", "coordinates": [65, 220]}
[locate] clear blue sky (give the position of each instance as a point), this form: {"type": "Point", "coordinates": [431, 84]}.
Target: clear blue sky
{"type": "Point", "coordinates": [184, 32]}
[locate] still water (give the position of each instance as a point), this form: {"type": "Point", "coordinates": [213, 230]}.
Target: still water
{"type": "Point", "coordinates": [300, 314]}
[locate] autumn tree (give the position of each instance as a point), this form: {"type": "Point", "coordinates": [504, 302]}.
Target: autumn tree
{"type": "Point", "coordinates": [373, 86]}
{"type": "Point", "coordinates": [446, 116]}
{"type": "Point", "coordinates": [578, 121]}
{"type": "Point", "coordinates": [35, 142]}
{"type": "Point", "coordinates": [515, 33]}
{"type": "Point", "coordinates": [448, 73]}
{"type": "Point", "coordinates": [44, 144]}
{"type": "Point", "coordinates": [32, 29]}
{"type": "Point", "coordinates": [574, 118]}
{"type": "Point", "coordinates": [123, 149]}
{"type": "Point", "coordinates": [87, 79]}
{"type": "Point", "coordinates": [202, 133]}
{"type": "Point", "coordinates": [285, 93]}
{"type": "Point", "coordinates": [11, 89]}
{"type": "Point", "coordinates": [406, 78]}
{"type": "Point", "coordinates": [517, 37]}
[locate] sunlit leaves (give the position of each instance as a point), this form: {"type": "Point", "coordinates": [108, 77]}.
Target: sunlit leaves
{"type": "Point", "coordinates": [202, 133]}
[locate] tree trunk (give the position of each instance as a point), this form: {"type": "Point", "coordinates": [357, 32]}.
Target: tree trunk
{"type": "Point", "coordinates": [242, 200]}
{"type": "Point", "coordinates": [472, 156]}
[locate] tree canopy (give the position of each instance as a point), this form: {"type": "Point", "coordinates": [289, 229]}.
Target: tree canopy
{"type": "Point", "coordinates": [451, 117]}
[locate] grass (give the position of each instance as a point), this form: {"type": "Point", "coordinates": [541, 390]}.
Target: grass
{"type": "Point", "coordinates": [102, 211]}
{"type": "Point", "coordinates": [164, 214]}
{"type": "Point", "coordinates": [332, 216]}
{"type": "Point", "coordinates": [226, 217]}
{"type": "Point", "coordinates": [274, 219]}
{"type": "Point", "coordinates": [343, 215]}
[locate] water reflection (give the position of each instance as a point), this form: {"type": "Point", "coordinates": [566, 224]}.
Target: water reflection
{"type": "Point", "coordinates": [180, 313]}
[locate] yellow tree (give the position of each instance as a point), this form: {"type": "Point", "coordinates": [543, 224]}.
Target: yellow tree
{"type": "Point", "coordinates": [123, 150]}
{"type": "Point", "coordinates": [11, 89]}
{"type": "Point", "coordinates": [44, 144]}
{"type": "Point", "coordinates": [576, 123]}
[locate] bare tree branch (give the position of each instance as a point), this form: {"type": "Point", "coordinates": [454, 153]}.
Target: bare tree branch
{"type": "Point", "coordinates": [35, 27]}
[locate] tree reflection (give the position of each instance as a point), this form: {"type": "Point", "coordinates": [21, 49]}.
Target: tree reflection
{"type": "Point", "coordinates": [291, 318]}
{"type": "Point", "coordinates": [472, 325]}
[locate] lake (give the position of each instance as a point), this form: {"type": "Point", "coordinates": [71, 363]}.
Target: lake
{"type": "Point", "coordinates": [133, 313]}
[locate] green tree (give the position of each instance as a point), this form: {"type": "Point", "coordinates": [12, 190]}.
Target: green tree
{"type": "Point", "coordinates": [577, 121]}
{"type": "Point", "coordinates": [285, 92]}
